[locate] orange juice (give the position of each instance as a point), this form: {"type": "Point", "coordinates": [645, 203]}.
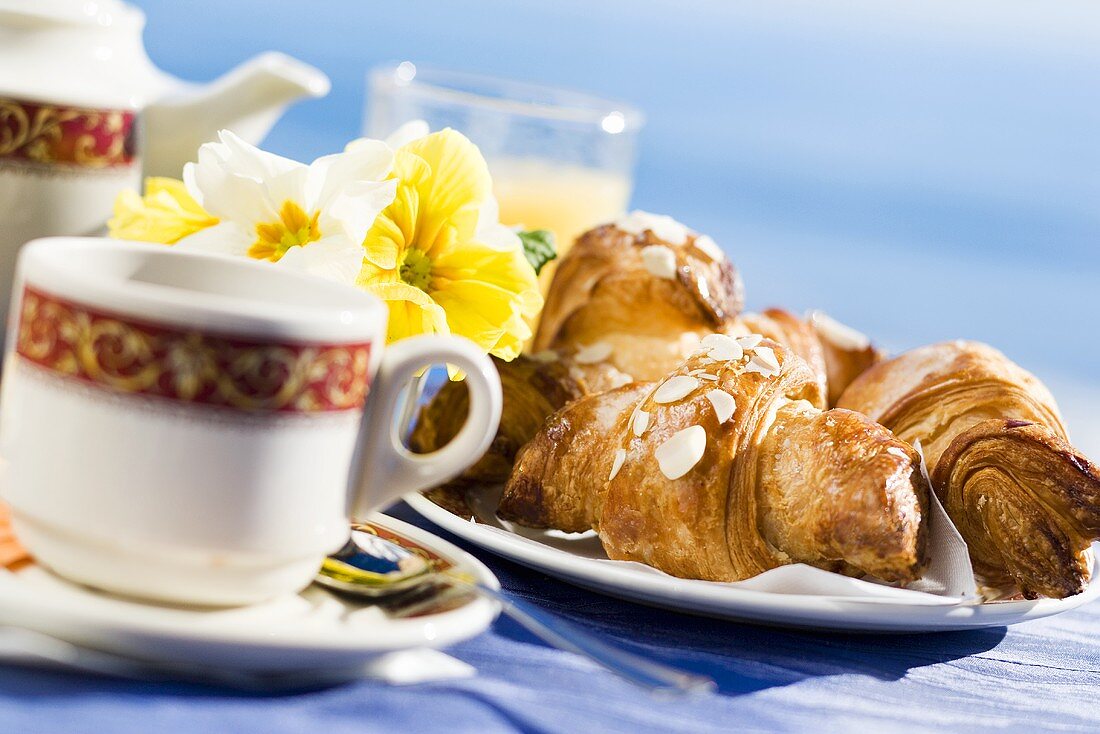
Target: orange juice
{"type": "Point", "coordinates": [566, 199]}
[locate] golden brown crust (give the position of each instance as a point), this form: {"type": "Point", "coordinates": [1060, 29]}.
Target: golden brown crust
{"type": "Point", "coordinates": [727, 517]}
{"type": "Point", "coordinates": [705, 524]}
{"type": "Point", "coordinates": [602, 291]}
{"type": "Point", "coordinates": [846, 358]}
{"type": "Point", "coordinates": [933, 393]}
{"type": "Point", "coordinates": [532, 389]}
{"type": "Point", "coordinates": [842, 491]}
{"type": "Point", "coordinates": [836, 353]}
{"type": "Point", "coordinates": [550, 484]}
{"type": "Point", "coordinates": [1025, 501]}
{"type": "Point", "coordinates": [792, 332]}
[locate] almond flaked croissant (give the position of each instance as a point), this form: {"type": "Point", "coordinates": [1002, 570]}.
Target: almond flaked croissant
{"type": "Point", "coordinates": [726, 469]}
{"type": "Point", "coordinates": [533, 388]}
{"type": "Point", "coordinates": [647, 287]}
{"type": "Point", "coordinates": [1026, 502]}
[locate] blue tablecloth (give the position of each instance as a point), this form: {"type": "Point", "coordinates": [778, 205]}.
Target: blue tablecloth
{"type": "Point", "coordinates": [1039, 675]}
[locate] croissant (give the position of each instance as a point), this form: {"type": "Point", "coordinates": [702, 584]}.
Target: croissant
{"type": "Point", "coordinates": [836, 352]}
{"type": "Point", "coordinates": [647, 288]}
{"type": "Point", "coordinates": [1026, 502]}
{"type": "Point", "coordinates": [533, 388]}
{"type": "Point", "coordinates": [725, 469]}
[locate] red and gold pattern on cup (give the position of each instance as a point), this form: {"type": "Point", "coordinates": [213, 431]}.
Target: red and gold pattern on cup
{"type": "Point", "coordinates": [43, 135]}
{"type": "Point", "coordinates": [128, 357]}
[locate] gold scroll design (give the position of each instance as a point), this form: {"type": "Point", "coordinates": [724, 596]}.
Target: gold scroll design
{"type": "Point", "coordinates": [191, 367]}
{"type": "Point", "coordinates": [37, 133]}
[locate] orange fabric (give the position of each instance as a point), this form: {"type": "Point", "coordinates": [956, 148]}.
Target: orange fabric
{"type": "Point", "coordinates": [11, 552]}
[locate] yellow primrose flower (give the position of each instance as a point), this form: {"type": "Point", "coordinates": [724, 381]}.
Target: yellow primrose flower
{"type": "Point", "coordinates": [440, 258]}
{"type": "Point", "coordinates": [166, 214]}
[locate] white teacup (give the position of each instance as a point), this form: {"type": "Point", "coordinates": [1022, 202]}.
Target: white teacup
{"type": "Point", "coordinates": [181, 427]}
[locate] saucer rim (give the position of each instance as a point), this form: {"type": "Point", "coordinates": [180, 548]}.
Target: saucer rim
{"type": "Point", "coordinates": [21, 605]}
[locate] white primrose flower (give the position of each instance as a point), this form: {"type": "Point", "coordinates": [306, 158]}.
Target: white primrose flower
{"type": "Point", "coordinates": [311, 217]}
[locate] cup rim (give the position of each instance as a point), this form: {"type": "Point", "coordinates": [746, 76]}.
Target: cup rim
{"type": "Point", "coordinates": [454, 86]}
{"type": "Point", "coordinates": [52, 264]}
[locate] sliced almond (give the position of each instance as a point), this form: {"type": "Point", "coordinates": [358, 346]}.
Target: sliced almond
{"type": "Point", "coordinates": [712, 340]}
{"type": "Point", "coordinates": [760, 367]}
{"type": "Point", "coordinates": [723, 403]}
{"type": "Point", "coordinates": [707, 376]}
{"type": "Point", "coordinates": [702, 287]}
{"type": "Point", "coordinates": [723, 348]}
{"type": "Point", "coordinates": [664, 227]}
{"type": "Point", "coordinates": [640, 422]}
{"type": "Point", "coordinates": [660, 261]}
{"type": "Point", "coordinates": [710, 248]}
{"type": "Point", "coordinates": [620, 378]}
{"type": "Point", "coordinates": [749, 342]}
{"type": "Point", "coordinates": [681, 452]}
{"type": "Point", "coordinates": [617, 463]}
{"type": "Point", "coordinates": [767, 357]}
{"type": "Point", "coordinates": [593, 353]}
{"type": "Point", "coordinates": [675, 388]}
{"type": "Point", "coordinates": [546, 356]}
{"type": "Point", "coordinates": [722, 354]}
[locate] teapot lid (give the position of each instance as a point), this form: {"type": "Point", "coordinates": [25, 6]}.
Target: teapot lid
{"type": "Point", "coordinates": [85, 53]}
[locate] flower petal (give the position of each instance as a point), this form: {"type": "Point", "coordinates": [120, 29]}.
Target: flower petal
{"type": "Point", "coordinates": [383, 245]}
{"type": "Point", "coordinates": [508, 270]}
{"type": "Point", "coordinates": [237, 181]}
{"type": "Point", "coordinates": [371, 160]}
{"type": "Point", "coordinates": [412, 312]}
{"type": "Point", "coordinates": [497, 236]}
{"type": "Point", "coordinates": [158, 186]}
{"type": "Point", "coordinates": [166, 213]}
{"type": "Point", "coordinates": [458, 185]}
{"type": "Point", "coordinates": [355, 209]}
{"type": "Point", "coordinates": [244, 159]}
{"type": "Point", "coordinates": [480, 311]}
{"type": "Point", "coordinates": [410, 131]}
{"type": "Point", "coordinates": [225, 195]}
{"type": "Point", "coordinates": [395, 228]}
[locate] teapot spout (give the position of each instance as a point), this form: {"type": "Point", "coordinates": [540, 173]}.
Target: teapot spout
{"type": "Point", "coordinates": [248, 100]}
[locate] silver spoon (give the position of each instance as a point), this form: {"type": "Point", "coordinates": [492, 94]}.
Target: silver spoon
{"type": "Point", "coordinates": [376, 568]}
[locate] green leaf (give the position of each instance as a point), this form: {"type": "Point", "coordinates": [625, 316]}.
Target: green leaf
{"type": "Point", "coordinates": [538, 247]}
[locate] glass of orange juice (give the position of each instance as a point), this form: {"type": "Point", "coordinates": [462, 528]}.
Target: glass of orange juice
{"type": "Point", "coordinates": [561, 160]}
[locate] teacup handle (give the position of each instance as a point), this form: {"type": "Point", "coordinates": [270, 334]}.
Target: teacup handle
{"type": "Point", "coordinates": [383, 470]}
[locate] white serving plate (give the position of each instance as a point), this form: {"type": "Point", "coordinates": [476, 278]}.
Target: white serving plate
{"type": "Point", "coordinates": [579, 560]}
{"type": "Point", "coordinates": [304, 633]}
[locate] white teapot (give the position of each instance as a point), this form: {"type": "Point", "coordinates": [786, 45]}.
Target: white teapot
{"type": "Point", "coordinates": [84, 113]}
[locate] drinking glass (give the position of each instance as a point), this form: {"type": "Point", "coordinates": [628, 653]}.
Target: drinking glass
{"type": "Point", "coordinates": [560, 160]}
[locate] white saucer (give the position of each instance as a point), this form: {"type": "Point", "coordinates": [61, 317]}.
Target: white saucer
{"type": "Point", "coordinates": [311, 631]}
{"type": "Point", "coordinates": [580, 560]}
